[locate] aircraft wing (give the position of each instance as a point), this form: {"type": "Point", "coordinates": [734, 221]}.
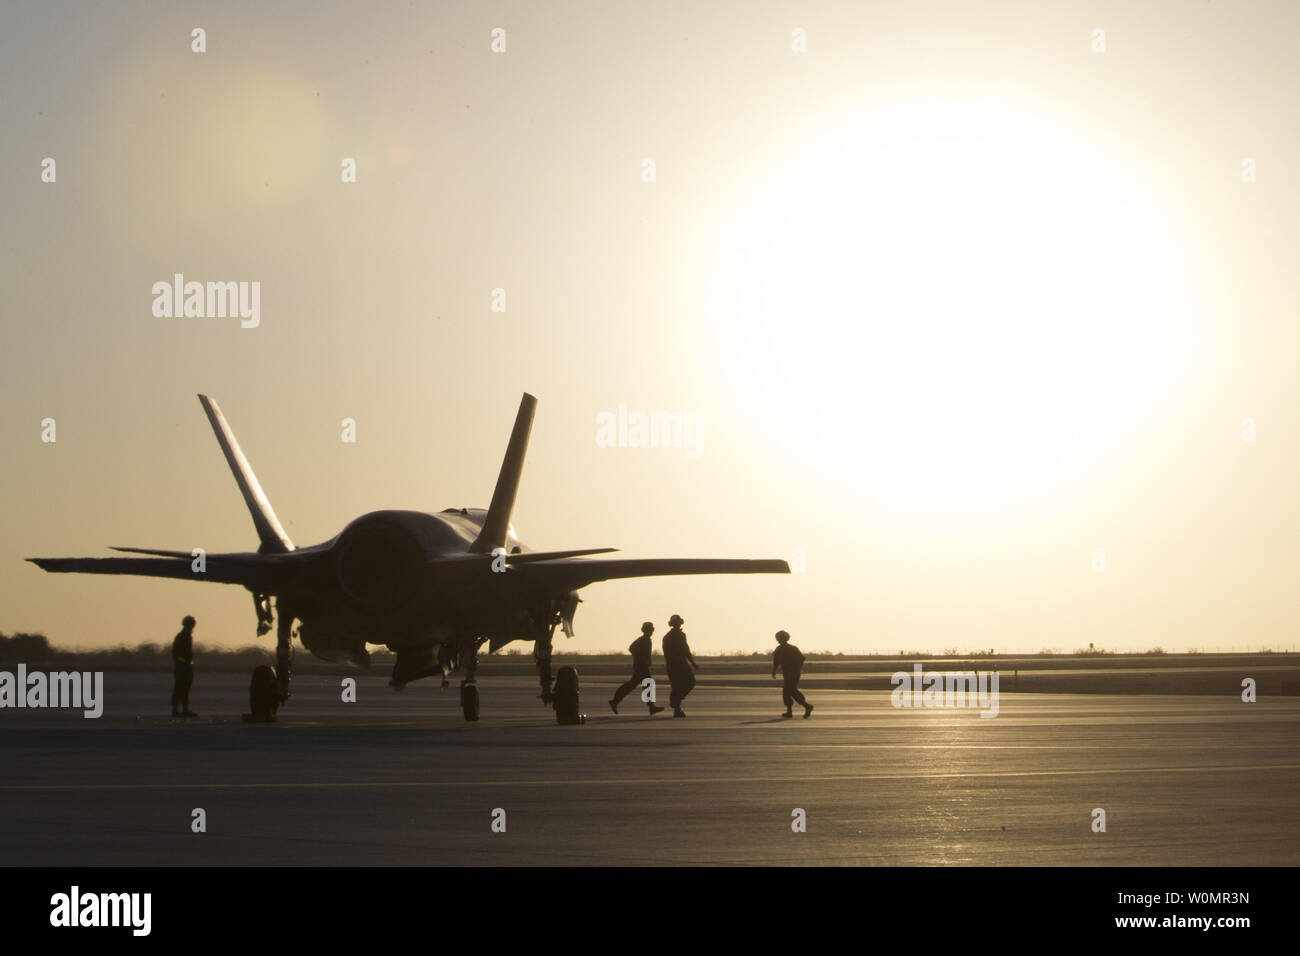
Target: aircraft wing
{"type": "Point", "coordinates": [570, 574]}
{"type": "Point", "coordinates": [261, 572]}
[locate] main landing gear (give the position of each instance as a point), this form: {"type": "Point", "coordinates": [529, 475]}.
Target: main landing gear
{"type": "Point", "coordinates": [269, 687]}
{"type": "Point", "coordinates": [469, 699]}
{"type": "Point", "coordinates": [564, 698]}
{"type": "Point", "coordinates": [263, 696]}
{"type": "Point", "coordinates": [568, 707]}
{"type": "Point", "coordinates": [469, 686]}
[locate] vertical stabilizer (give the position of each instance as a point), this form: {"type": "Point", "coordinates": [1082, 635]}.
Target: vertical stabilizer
{"type": "Point", "coordinates": [272, 536]}
{"type": "Point", "coordinates": [497, 522]}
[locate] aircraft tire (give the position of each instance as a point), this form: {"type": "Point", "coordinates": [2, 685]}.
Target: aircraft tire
{"type": "Point", "coordinates": [263, 694]}
{"type": "Point", "coordinates": [568, 701]}
{"type": "Point", "coordinates": [469, 701]}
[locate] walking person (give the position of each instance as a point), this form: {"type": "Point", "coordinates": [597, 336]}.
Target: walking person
{"type": "Point", "coordinates": [790, 660]}
{"type": "Point", "coordinates": [679, 662]}
{"type": "Point", "coordinates": [640, 649]}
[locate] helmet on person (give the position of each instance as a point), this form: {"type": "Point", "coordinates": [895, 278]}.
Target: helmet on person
{"type": "Point", "coordinates": [782, 636]}
{"type": "Point", "coordinates": [187, 621]}
{"type": "Point", "coordinates": [647, 627]}
{"type": "Point", "coordinates": [675, 621]}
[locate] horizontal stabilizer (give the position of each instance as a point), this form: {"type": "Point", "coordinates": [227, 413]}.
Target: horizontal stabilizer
{"type": "Point", "coordinates": [156, 552]}
{"type": "Point", "coordinates": [261, 572]}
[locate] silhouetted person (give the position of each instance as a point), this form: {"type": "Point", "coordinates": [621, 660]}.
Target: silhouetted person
{"type": "Point", "coordinates": [183, 656]}
{"type": "Point", "coordinates": [790, 659]}
{"type": "Point", "coordinates": [678, 659]}
{"type": "Point", "coordinates": [640, 650]}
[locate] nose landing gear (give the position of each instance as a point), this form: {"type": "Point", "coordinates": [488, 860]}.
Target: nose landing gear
{"type": "Point", "coordinates": [469, 686]}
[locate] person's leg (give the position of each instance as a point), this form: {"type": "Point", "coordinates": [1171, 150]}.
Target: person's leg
{"type": "Point", "coordinates": [681, 687]}
{"type": "Point", "coordinates": [786, 698]}
{"type": "Point", "coordinates": [176, 691]}
{"type": "Point", "coordinates": [624, 689]}
{"type": "Point", "coordinates": [793, 690]}
{"type": "Point", "coordinates": [639, 680]}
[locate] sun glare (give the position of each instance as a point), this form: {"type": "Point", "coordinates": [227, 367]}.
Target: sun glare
{"type": "Point", "coordinates": [950, 300]}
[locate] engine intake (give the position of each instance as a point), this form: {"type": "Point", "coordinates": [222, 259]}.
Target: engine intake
{"type": "Point", "coordinates": [380, 564]}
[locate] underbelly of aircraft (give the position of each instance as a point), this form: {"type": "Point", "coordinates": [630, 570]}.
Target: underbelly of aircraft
{"type": "Point", "coordinates": [331, 642]}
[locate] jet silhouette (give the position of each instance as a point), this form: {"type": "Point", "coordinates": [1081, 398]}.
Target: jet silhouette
{"type": "Point", "coordinates": [433, 588]}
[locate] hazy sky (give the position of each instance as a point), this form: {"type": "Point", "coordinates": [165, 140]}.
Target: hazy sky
{"type": "Point", "coordinates": [958, 299]}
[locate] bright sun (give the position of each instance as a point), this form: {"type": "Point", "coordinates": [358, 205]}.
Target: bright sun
{"type": "Point", "coordinates": [955, 300]}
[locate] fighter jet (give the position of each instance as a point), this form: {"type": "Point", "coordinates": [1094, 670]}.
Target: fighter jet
{"type": "Point", "coordinates": [433, 588]}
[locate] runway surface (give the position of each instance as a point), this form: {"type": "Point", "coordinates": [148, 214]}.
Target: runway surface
{"type": "Point", "coordinates": [401, 779]}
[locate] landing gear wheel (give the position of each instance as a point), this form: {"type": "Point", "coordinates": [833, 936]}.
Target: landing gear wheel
{"type": "Point", "coordinates": [263, 694]}
{"type": "Point", "coordinates": [469, 700]}
{"type": "Point", "coordinates": [567, 698]}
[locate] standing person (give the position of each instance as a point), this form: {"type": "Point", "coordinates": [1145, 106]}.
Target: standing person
{"type": "Point", "coordinates": [640, 649]}
{"type": "Point", "coordinates": [790, 659]}
{"type": "Point", "coordinates": [679, 661]}
{"type": "Point", "coordinates": [183, 657]}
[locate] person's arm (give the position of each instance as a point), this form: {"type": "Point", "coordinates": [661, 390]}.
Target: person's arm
{"type": "Point", "coordinates": [774, 663]}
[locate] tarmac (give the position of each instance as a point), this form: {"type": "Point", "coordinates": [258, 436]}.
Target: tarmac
{"type": "Point", "coordinates": [402, 779]}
